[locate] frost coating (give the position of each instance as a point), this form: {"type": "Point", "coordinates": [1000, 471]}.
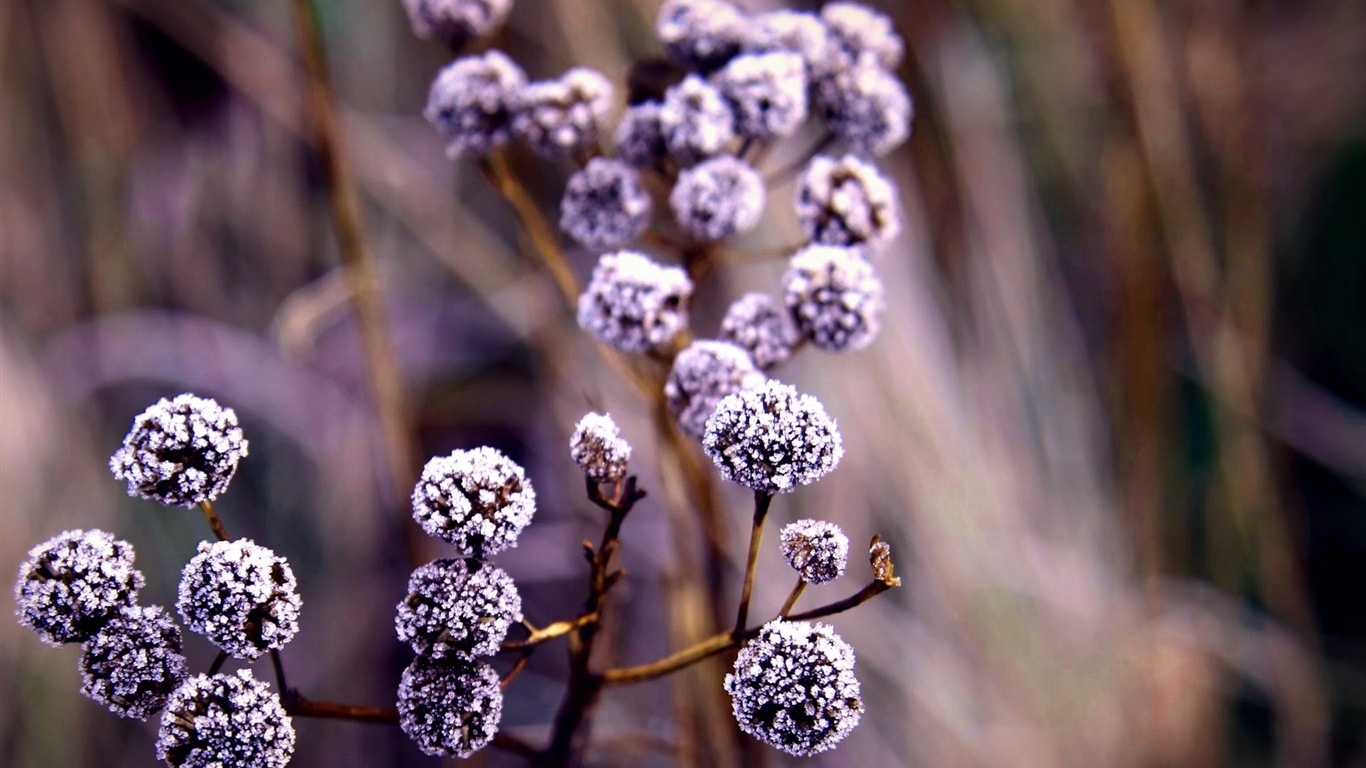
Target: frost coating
{"type": "Point", "coordinates": [225, 721]}
{"type": "Point", "coordinates": [795, 31]}
{"type": "Point", "coordinates": [478, 500]}
{"type": "Point", "coordinates": [772, 439]}
{"type": "Point", "coordinates": [449, 707]}
{"type": "Point", "coordinates": [767, 93]}
{"type": "Point", "coordinates": [180, 451]}
{"type": "Point", "coordinates": [718, 198]}
{"type": "Point", "coordinates": [457, 608]}
{"type": "Point", "coordinates": [599, 449]}
{"type": "Point", "coordinates": [634, 304]}
{"type": "Point", "coordinates": [860, 32]}
{"type": "Point", "coordinates": [763, 328]}
{"type": "Point", "coordinates": [845, 201]}
{"type": "Point", "coordinates": [700, 34]}
{"type": "Point", "coordinates": [834, 296]}
{"type": "Point", "coordinates": [134, 663]}
{"type": "Point", "coordinates": [73, 583]}
{"type": "Point", "coordinates": [557, 117]}
{"type": "Point", "coordinates": [241, 596]}
{"type": "Point", "coordinates": [817, 550]}
{"type": "Point", "coordinates": [604, 204]}
{"type": "Point", "coordinates": [471, 102]}
{"type": "Point", "coordinates": [456, 21]}
{"type": "Point", "coordinates": [702, 374]}
{"type": "Point", "coordinates": [794, 688]}
{"type": "Point", "coordinates": [866, 107]}
{"type": "Point", "coordinates": [695, 120]}
{"type": "Point", "coordinates": [639, 139]}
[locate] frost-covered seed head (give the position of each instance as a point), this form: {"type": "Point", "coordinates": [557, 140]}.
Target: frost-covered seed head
{"type": "Point", "coordinates": [180, 451]}
{"type": "Point", "coordinates": [241, 596]}
{"type": "Point", "coordinates": [456, 21]}
{"type": "Point", "coordinates": [471, 102]}
{"type": "Point", "coordinates": [479, 500]}
{"type": "Point", "coordinates": [695, 120]}
{"type": "Point", "coordinates": [817, 550]}
{"type": "Point", "coordinates": [449, 707]}
{"type": "Point", "coordinates": [634, 304]}
{"type": "Point", "coordinates": [599, 449]}
{"type": "Point", "coordinates": [718, 198]}
{"type": "Point", "coordinates": [702, 374]}
{"type": "Point", "coordinates": [796, 31]}
{"type": "Point", "coordinates": [757, 323]}
{"type": "Point", "coordinates": [772, 439]}
{"type": "Point", "coordinates": [860, 32]}
{"type": "Point", "coordinates": [639, 139]}
{"type": "Point", "coordinates": [134, 663]}
{"type": "Point", "coordinates": [767, 93]}
{"type": "Point", "coordinates": [866, 107]}
{"type": "Point", "coordinates": [71, 584]}
{"type": "Point", "coordinates": [604, 204]}
{"type": "Point", "coordinates": [225, 721]}
{"type": "Point", "coordinates": [700, 34]}
{"type": "Point", "coordinates": [794, 688]}
{"type": "Point", "coordinates": [845, 201]}
{"type": "Point", "coordinates": [834, 296]}
{"type": "Point", "coordinates": [557, 117]}
{"type": "Point", "coordinates": [458, 607]}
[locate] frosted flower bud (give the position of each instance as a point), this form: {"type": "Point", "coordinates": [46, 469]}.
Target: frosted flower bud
{"type": "Point", "coordinates": [759, 325]}
{"type": "Point", "coordinates": [478, 500]}
{"type": "Point", "coordinates": [471, 102]}
{"type": "Point", "coordinates": [700, 34]}
{"type": "Point", "coordinates": [557, 117]}
{"type": "Point", "coordinates": [718, 198]}
{"type": "Point", "coordinates": [458, 607]}
{"type": "Point", "coordinates": [861, 32]}
{"type": "Point", "coordinates": [702, 374]}
{"type": "Point", "coordinates": [599, 449]}
{"type": "Point", "coordinates": [604, 204]}
{"type": "Point", "coordinates": [639, 138]}
{"type": "Point", "coordinates": [180, 451]}
{"type": "Point", "coordinates": [73, 583]}
{"type": "Point", "coordinates": [456, 22]}
{"type": "Point", "coordinates": [771, 439]}
{"type": "Point", "coordinates": [794, 688]}
{"type": "Point", "coordinates": [241, 596]}
{"type": "Point", "coordinates": [766, 92]}
{"type": "Point", "coordinates": [634, 304]}
{"type": "Point", "coordinates": [225, 721]}
{"type": "Point", "coordinates": [795, 31]}
{"type": "Point", "coordinates": [449, 707]}
{"type": "Point", "coordinates": [817, 550]}
{"type": "Point", "coordinates": [834, 296]}
{"type": "Point", "coordinates": [134, 663]}
{"type": "Point", "coordinates": [846, 201]}
{"type": "Point", "coordinates": [695, 120]}
{"type": "Point", "coordinates": [866, 107]}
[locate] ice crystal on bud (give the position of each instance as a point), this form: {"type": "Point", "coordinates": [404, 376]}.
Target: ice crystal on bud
{"type": "Point", "coordinates": [762, 327]}
{"type": "Point", "coordinates": [772, 439]}
{"type": "Point", "coordinates": [449, 707]}
{"type": "Point", "coordinates": [767, 93]}
{"type": "Point", "coordinates": [861, 32]}
{"type": "Point", "coordinates": [639, 138]}
{"type": "Point", "coordinates": [458, 607]}
{"type": "Point", "coordinates": [700, 34]}
{"type": "Point", "coordinates": [834, 296]}
{"type": "Point", "coordinates": [866, 107]}
{"type": "Point", "coordinates": [718, 198]}
{"type": "Point", "coordinates": [604, 204]}
{"type": "Point", "coordinates": [794, 688]}
{"type": "Point", "coordinates": [180, 451]}
{"type": "Point", "coordinates": [134, 663]}
{"type": "Point", "coordinates": [634, 304]}
{"type": "Point", "coordinates": [695, 120]}
{"type": "Point", "coordinates": [479, 500]}
{"type": "Point", "coordinates": [557, 117]}
{"type": "Point", "coordinates": [71, 584]}
{"type": "Point", "coordinates": [456, 21]}
{"type": "Point", "coordinates": [845, 201]}
{"type": "Point", "coordinates": [241, 596]}
{"type": "Point", "coordinates": [471, 102]}
{"type": "Point", "coordinates": [801, 33]}
{"type": "Point", "coordinates": [599, 449]}
{"type": "Point", "coordinates": [817, 550]}
{"type": "Point", "coordinates": [702, 374]}
{"type": "Point", "coordinates": [225, 721]}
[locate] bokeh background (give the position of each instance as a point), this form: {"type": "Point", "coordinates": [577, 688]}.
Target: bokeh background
{"type": "Point", "coordinates": [1114, 426]}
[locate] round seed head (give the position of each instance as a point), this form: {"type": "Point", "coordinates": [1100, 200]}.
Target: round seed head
{"type": "Point", "coordinates": [604, 204]}
{"type": "Point", "coordinates": [471, 102]}
{"type": "Point", "coordinates": [866, 107]}
{"type": "Point", "coordinates": [696, 121]}
{"type": "Point", "coordinates": [557, 117]}
{"type": "Point", "coordinates": [794, 688]}
{"type": "Point", "coordinates": [817, 550]}
{"type": "Point", "coordinates": [180, 451]}
{"type": "Point", "coordinates": [834, 296]}
{"type": "Point", "coordinates": [772, 439]}
{"type": "Point", "coordinates": [634, 304]}
{"type": "Point", "coordinates": [225, 721]}
{"type": "Point", "coordinates": [766, 92]}
{"type": "Point", "coordinates": [702, 374]}
{"type": "Point", "coordinates": [134, 663]}
{"type": "Point", "coordinates": [639, 138]}
{"type": "Point", "coordinates": [700, 34]}
{"type": "Point", "coordinates": [759, 325]}
{"type": "Point", "coordinates": [73, 583]}
{"type": "Point", "coordinates": [449, 707]}
{"type": "Point", "coordinates": [459, 608]}
{"type": "Point", "coordinates": [599, 449]}
{"type": "Point", "coordinates": [860, 32]}
{"type": "Point", "coordinates": [241, 596]}
{"type": "Point", "coordinates": [845, 201]}
{"type": "Point", "coordinates": [478, 500]}
{"type": "Point", "coordinates": [718, 198]}
{"type": "Point", "coordinates": [456, 22]}
{"type": "Point", "coordinates": [795, 31]}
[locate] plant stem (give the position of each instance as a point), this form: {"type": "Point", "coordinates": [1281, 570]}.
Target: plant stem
{"type": "Point", "coordinates": [218, 662]}
{"type": "Point", "coordinates": [211, 515]}
{"type": "Point", "coordinates": [298, 706]}
{"type": "Point", "coordinates": [549, 632]}
{"type": "Point", "coordinates": [756, 534]}
{"type": "Point", "coordinates": [792, 598]}
{"type": "Point", "coordinates": [499, 175]}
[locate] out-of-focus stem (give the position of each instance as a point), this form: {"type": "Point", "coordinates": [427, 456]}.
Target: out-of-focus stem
{"type": "Point", "coordinates": [756, 534]}
{"type": "Point", "coordinates": [500, 176]}
{"type": "Point", "coordinates": [211, 515]}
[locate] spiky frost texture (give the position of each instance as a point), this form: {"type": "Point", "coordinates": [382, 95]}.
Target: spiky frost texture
{"type": "Point", "coordinates": [634, 304]}
{"type": "Point", "coordinates": [458, 607]}
{"type": "Point", "coordinates": [846, 201]}
{"type": "Point", "coordinates": [73, 583]}
{"type": "Point", "coordinates": [449, 707]}
{"type": "Point", "coordinates": [134, 663]}
{"type": "Point", "coordinates": [478, 500]}
{"type": "Point", "coordinates": [772, 439]}
{"type": "Point", "coordinates": [817, 550]}
{"type": "Point", "coordinates": [702, 374]}
{"type": "Point", "coordinates": [241, 596]}
{"type": "Point", "coordinates": [181, 451]}
{"type": "Point", "coordinates": [761, 326]}
{"type": "Point", "coordinates": [599, 449]}
{"type": "Point", "coordinates": [225, 721]}
{"type": "Point", "coordinates": [834, 296]}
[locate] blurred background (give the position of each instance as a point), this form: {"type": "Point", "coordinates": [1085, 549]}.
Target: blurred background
{"type": "Point", "coordinates": [1114, 426]}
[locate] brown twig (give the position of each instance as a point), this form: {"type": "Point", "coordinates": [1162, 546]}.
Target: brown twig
{"type": "Point", "coordinates": [762, 501]}
{"type": "Point", "coordinates": [792, 598]}
{"type": "Point", "coordinates": [216, 524]}
{"type": "Point", "coordinates": [298, 706]}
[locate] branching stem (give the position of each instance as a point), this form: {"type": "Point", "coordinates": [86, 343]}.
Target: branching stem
{"type": "Point", "coordinates": [762, 501]}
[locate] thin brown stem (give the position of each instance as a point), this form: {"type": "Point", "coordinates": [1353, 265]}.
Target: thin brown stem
{"type": "Point", "coordinates": [498, 172]}
{"type": "Point", "coordinates": [211, 515]}
{"type": "Point", "coordinates": [281, 681]}
{"type": "Point", "coordinates": [298, 706]}
{"type": "Point", "coordinates": [218, 662]}
{"type": "Point", "coordinates": [517, 668]}
{"type": "Point", "coordinates": [792, 598]}
{"type": "Point", "coordinates": [549, 632]}
{"type": "Point", "coordinates": [756, 534]}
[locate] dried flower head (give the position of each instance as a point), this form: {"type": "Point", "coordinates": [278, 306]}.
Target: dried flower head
{"type": "Point", "coordinates": [817, 550]}
{"type": "Point", "coordinates": [860, 32]}
{"type": "Point", "coordinates": [455, 22]}
{"type": "Point", "coordinates": [834, 296]}
{"type": "Point", "coordinates": [557, 117]}
{"type": "Point", "coordinates": [73, 583]}
{"type": "Point", "coordinates": [134, 663]}
{"type": "Point", "coordinates": [599, 449]}
{"type": "Point", "coordinates": [604, 204]}
{"type": "Point", "coordinates": [180, 451]}
{"type": "Point", "coordinates": [794, 688]}
{"type": "Point", "coordinates": [458, 607]}
{"type": "Point", "coordinates": [702, 374]}
{"type": "Point", "coordinates": [700, 34]}
{"type": "Point", "coordinates": [866, 107]}
{"type": "Point", "coordinates": [772, 439]}
{"type": "Point", "coordinates": [845, 201]}
{"type": "Point", "coordinates": [241, 596]}
{"type": "Point", "coordinates": [696, 121]}
{"type": "Point", "coordinates": [639, 138]}
{"type": "Point", "coordinates": [478, 500]}
{"type": "Point", "coordinates": [796, 31]}
{"type": "Point", "coordinates": [225, 721]}
{"type": "Point", "coordinates": [634, 304]}
{"type": "Point", "coordinates": [717, 198]}
{"type": "Point", "coordinates": [757, 323]}
{"type": "Point", "coordinates": [471, 102]}
{"type": "Point", "coordinates": [449, 707]}
{"type": "Point", "coordinates": [766, 92]}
